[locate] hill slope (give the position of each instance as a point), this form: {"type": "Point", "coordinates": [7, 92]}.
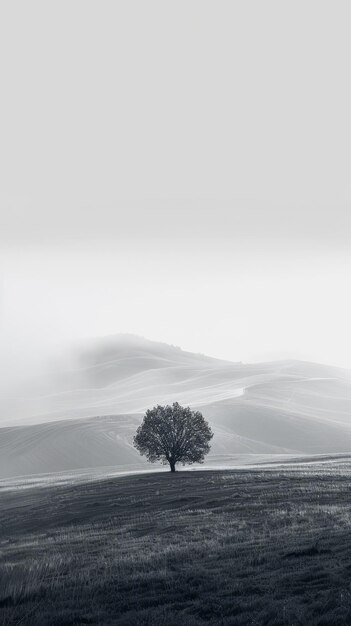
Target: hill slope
{"type": "Point", "coordinates": [85, 415]}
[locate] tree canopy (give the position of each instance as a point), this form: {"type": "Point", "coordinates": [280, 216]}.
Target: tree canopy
{"type": "Point", "coordinates": [173, 434]}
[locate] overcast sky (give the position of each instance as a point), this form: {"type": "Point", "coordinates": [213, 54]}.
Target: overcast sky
{"type": "Point", "coordinates": [179, 170]}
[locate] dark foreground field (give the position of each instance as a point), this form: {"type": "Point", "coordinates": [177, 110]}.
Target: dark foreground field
{"type": "Point", "coordinates": [226, 547]}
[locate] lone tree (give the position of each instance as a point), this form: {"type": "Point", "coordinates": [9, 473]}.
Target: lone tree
{"type": "Point", "coordinates": [173, 434]}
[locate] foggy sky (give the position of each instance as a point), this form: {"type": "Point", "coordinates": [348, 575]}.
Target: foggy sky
{"type": "Point", "coordinates": [176, 169]}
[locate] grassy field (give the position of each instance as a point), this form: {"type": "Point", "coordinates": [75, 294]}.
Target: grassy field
{"type": "Point", "coordinates": [260, 547]}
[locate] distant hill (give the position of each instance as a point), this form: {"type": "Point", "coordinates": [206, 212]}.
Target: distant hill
{"type": "Point", "coordinates": [85, 412]}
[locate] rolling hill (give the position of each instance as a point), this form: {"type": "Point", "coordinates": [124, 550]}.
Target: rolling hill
{"type": "Point", "coordinates": [84, 414]}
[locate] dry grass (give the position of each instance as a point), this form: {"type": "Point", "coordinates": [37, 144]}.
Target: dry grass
{"type": "Point", "coordinates": [247, 547]}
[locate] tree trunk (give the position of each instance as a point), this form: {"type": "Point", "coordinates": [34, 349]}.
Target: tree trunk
{"type": "Point", "coordinates": [172, 466]}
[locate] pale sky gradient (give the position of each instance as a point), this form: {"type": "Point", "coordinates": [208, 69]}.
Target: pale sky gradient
{"type": "Point", "coordinates": [180, 170]}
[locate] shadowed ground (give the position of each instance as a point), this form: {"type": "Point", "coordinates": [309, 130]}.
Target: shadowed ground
{"type": "Point", "coordinates": [268, 546]}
